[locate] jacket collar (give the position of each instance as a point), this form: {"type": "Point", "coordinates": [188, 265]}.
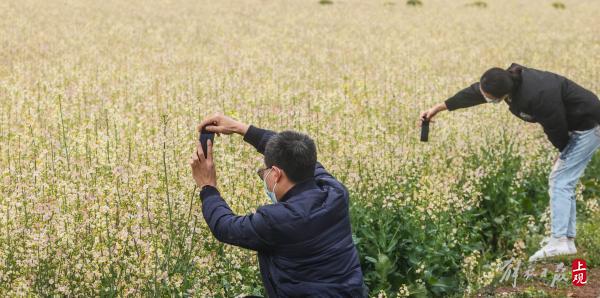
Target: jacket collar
{"type": "Point", "coordinates": [299, 187]}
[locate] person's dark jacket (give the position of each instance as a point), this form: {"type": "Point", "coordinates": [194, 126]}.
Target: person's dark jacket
{"type": "Point", "coordinates": [557, 103]}
{"type": "Point", "coordinates": [304, 242]}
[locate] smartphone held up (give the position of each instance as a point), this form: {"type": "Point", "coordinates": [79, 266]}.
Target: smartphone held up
{"type": "Point", "coordinates": [206, 135]}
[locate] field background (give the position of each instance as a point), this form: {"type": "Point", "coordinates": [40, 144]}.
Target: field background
{"type": "Point", "coordinates": [99, 102]}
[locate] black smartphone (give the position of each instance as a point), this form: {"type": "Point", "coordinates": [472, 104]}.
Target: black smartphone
{"type": "Point", "coordinates": [204, 137]}
{"type": "Point", "coordinates": [425, 130]}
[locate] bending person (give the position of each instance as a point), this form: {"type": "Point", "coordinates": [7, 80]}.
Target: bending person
{"type": "Point", "coordinates": [569, 115]}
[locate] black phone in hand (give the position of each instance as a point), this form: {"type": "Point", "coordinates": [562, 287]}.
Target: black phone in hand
{"type": "Point", "coordinates": [204, 137]}
{"type": "Point", "coordinates": [425, 130]}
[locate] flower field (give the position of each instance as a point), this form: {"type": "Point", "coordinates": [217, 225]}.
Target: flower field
{"type": "Point", "coordinates": [99, 102]}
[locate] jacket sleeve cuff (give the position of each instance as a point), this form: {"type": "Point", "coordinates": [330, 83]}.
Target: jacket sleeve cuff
{"type": "Point", "coordinates": [208, 192]}
{"type": "Point", "coordinates": [254, 135]}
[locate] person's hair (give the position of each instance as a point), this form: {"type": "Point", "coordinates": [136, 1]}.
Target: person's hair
{"type": "Point", "coordinates": [293, 152]}
{"type": "Point", "coordinates": [499, 82]}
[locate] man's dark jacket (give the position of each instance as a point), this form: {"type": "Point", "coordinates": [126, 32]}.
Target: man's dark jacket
{"type": "Point", "coordinates": [304, 242]}
{"type": "Point", "coordinates": [557, 103]}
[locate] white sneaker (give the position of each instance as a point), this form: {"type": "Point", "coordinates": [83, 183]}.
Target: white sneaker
{"type": "Point", "coordinates": [555, 247]}
{"type": "Point", "coordinates": [570, 242]}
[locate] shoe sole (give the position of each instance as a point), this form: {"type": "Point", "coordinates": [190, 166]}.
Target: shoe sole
{"type": "Point", "coordinates": [552, 256]}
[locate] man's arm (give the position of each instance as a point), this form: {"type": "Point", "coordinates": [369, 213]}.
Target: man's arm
{"type": "Point", "coordinates": [249, 231]}
{"type": "Point", "coordinates": [219, 123]}
{"type": "Point", "coordinates": [258, 137]}
{"type": "Point", "coordinates": [468, 97]}
{"type": "Point", "coordinates": [245, 231]}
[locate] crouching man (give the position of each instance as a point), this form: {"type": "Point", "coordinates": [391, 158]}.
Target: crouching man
{"type": "Point", "coordinates": [304, 238]}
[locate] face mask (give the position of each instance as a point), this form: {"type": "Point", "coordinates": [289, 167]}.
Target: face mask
{"type": "Point", "coordinates": [270, 194]}
{"type": "Point", "coordinates": [493, 100]}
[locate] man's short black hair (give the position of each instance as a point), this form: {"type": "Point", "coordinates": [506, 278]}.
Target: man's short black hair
{"type": "Point", "coordinates": [293, 152]}
{"type": "Point", "coordinates": [499, 82]}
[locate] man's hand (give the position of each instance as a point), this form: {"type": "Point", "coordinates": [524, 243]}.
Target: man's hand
{"type": "Point", "coordinates": [219, 123]}
{"type": "Point", "coordinates": [429, 114]}
{"type": "Point", "coordinates": [203, 169]}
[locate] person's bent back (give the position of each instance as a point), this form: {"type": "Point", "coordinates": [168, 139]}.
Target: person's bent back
{"type": "Point", "coordinates": [304, 239]}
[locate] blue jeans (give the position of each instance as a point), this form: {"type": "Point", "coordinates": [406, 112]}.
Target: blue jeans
{"type": "Point", "coordinates": [564, 177]}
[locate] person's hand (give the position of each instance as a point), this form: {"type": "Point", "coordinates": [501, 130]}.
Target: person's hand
{"type": "Point", "coordinates": [429, 114]}
{"type": "Point", "coordinates": [221, 124]}
{"type": "Point", "coordinates": [203, 169]}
